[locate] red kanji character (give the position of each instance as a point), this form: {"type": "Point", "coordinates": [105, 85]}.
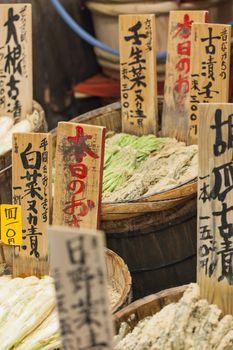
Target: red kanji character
{"type": "Point", "coordinates": [73, 203]}
{"type": "Point", "coordinates": [74, 222]}
{"type": "Point", "coordinates": [74, 184]}
{"type": "Point", "coordinates": [183, 65]}
{"type": "Point", "coordinates": [78, 170]}
{"type": "Point", "coordinates": [184, 48]}
{"type": "Point", "coordinates": [182, 85]}
{"type": "Point", "coordinates": [81, 148]}
{"type": "Point", "coordinates": [184, 29]}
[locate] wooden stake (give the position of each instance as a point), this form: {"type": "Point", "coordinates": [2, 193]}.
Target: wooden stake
{"type": "Point", "coordinates": [210, 69]}
{"type": "Point", "coordinates": [16, 92]}
{"type": "Point", "coordinates": [78, 267]}
{"type": "Point", "coordinates": [137, 35]}
{"type": "Point", "coordinates": [215, 210]}
{"type": "Point", "coordinates": [177, 82]}
{"type": "Point", "coordinates": [79, 173]}
{"type": "Point", "coordinates": [31, 181]}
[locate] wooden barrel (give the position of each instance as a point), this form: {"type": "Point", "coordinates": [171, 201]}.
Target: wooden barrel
{"type": "Point", "coordinates": [105, 18]}
{"type": "Point", "coordinates": [155, 236]}
{"type": "Point", "coordinates": [148, 306]}
{"type": "Point", "coordinates": [5, 160]}
{"type": "Point", "coordinates": [119, 280]}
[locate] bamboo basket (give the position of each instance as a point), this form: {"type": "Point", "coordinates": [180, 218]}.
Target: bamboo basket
{"type": "Point", "coordinates": [155, 236]}
{"type": "Point", "coordinates": [110, 117]}
{"type": "Point", "coordinates": [119, 278]}
{"type": "Point", "coordinates": [148, 306]}
{"type": "Point", "coordinates": [118, 274]}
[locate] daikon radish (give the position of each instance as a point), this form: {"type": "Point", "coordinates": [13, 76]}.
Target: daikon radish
{"type": "Point", "coordinates": [6, 124]}
{"type": "Point", "coordinates": [26, 125]}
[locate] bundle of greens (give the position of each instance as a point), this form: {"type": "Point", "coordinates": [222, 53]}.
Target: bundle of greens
{"type": "Point", "coordinates": [124, 154]}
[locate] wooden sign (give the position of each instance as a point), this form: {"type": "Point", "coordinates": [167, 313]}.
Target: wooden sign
{"type": "Point", "coordinates": [78, 267]}
{"type": "Point", "coordinates": [210, 69]}
{"type": "Point", "coordinates": [11, 224]}
{"type": "Point", "coordinates": [79, 173]}
{"type": "Point", "coordinates": [31, 181]}
{"type": "Point", "coordinates": [138, 74]}
{"type": "Point", "coordinates": [215, 209]}
{"type": "Point", "coordinates": [16, 60]}
{"type": "Point", "coordinates": [177, 83]}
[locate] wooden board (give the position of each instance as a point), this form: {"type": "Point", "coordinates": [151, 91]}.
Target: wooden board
{"type": "Point", "coordinates": [31, 187]}
{"type": "Point", "coordinates": [210, 69]}
{"type": "Point", "coordinates": [16, 60]}
{"type": "Point", "coordinates": [215, 210]}
{"type": "Point", "coordinates": [137, 35]}
{"type": "Point", "coordinates": [177, 81]}
{"type": "Point", "coordinates": [78, 267]}
{"type": "Point", "coordinates": [79, 172]}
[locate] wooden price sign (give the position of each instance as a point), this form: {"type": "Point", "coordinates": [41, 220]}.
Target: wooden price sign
{"type": "Point", "coordinates": [210, 69]}
{"type": "Point", "coordinates": [16, 60]}
{"type": "Point", "coordinates": [79, 173]}
{"type": "Point", "coordinates": [138, 74]}
{"type": "Point", "coordinates": [177, 83]}
{"type": "Point", "coordinates": [31, 181]}
{"type": "Point", "coordinates": [11, 224]}
{"type": "Point", "coordinates": [78, 267]}
{"type": "Point", "coordinates": [215, 205]}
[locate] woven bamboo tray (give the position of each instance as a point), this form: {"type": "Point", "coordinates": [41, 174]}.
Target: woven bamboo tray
{"type": "Point", "coordinates": [110, 117]}
{"type": "Point", "coordinates": [147, 306]}
{"type": "Point", "coordinates": [119, 278]}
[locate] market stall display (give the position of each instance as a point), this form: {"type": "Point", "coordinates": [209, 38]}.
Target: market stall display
{"type": "Point", "coordinates": [165, 218]}
{"type": "Point", "coordinates": [134, 174]}
{"type": "Point", "coordinates": [34, 307]}
{"type": "Point", "coordinates": [168, 320]}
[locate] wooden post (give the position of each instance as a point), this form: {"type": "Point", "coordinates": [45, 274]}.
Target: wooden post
{"type": "Point", "coordinates": [138, 71]}
{"type": "Point", "coordinates": [31, 182]}
{"type": "Point", "coordinates": [16, 91]}
{"type": "Point", "coordinates": [79, 173]}
{"type": "Point", "coordinates": [210, 69]}
{"type": "Point", "coordinates": [177, 82]}
{"type": "Point", "coordinates": [78, 267]}
{"type": "Point", "coordinates": [215, 209]}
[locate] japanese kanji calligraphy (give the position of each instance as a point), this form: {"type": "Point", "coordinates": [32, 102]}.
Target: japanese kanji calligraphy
{"type": "Point", "coordinates": [78, 267]}
{"type": "Point", "coordinates": [138, 73]}
{"type": "Point", "coordinates": [210, 69]}
{"type": "Point", "coordinates": [79, 171]}
{"type": "Point", "coordinates": [215, 208]}
{"type": "Point", "coordinates": [31, 182]}
{"type": "Point", "coordinates": [177, 82]}
{"type": "Point", "coordinates": [16, 60]}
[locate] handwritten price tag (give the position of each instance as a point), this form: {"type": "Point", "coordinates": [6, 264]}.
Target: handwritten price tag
{"type": "Point", "coordinates": [11, 224]}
